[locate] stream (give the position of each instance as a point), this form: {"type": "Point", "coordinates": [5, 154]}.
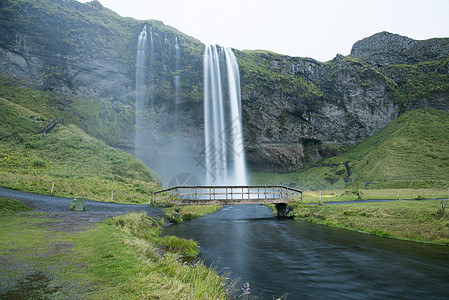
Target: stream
{"type": "Point", "coordinates": [297, 259]}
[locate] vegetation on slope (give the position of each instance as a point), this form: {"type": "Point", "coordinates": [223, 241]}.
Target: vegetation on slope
{"type": "Point", "coordinates": [412, 151]}
{"type": "Point", "coordinates": [107, 120]}
{"type": "Point", "coordinates": [426, 80]}
{"type": "Point", "coordinates": [67, 162]}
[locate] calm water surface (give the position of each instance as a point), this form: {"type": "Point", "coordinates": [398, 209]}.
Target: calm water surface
{"type": "Point", "coordinates": [297, 259]}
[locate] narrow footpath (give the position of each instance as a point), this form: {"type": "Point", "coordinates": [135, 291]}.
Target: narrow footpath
{"type": "Point", "coordinates": [58, 208]}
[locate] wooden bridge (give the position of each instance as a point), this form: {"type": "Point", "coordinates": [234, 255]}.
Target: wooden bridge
{"type": "Point", "coordinates": [224, 195]}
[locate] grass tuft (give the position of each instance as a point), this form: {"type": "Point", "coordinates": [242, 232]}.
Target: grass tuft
{"type": "Point", "coordinates": [11, 207]}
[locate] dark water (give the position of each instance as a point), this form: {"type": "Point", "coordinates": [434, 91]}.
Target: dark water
{"type": "Point", "coordinates": [300, 260]}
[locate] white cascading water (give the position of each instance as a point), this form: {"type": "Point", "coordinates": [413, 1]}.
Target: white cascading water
{"type": "Point", "coordinates": [140, 86]}
{"type": "Point", "coordinates": [224, 149]}
{"type": "Point", "coordinates": [177, 80]}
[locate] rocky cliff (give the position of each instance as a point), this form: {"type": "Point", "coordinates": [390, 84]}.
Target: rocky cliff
{"type": "Point", "coordinates": [294, 109]}
{"type": "Point", "coordinates": [386, 49]}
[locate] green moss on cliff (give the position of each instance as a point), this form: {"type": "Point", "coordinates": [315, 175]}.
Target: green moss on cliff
{"type": "Point", "coordinates": [360, 73]}
{"type": "Point", "coordinates": [426, 80]}
{"type": "Point", "coordinates": [266, 72]}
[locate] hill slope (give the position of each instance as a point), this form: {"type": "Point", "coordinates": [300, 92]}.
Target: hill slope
{"type": "Point", "coordinates": [412, 151]}
{"type": "Point", "coordinates": [83, 57]}
{"type": "Point", "coordinates": [78, 164]}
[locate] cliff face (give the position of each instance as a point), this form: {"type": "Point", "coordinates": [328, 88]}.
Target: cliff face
{"type": "Point", "coordinates": [85, 51]}
{"type": "Point", "coordinates": [294, 109]}
{"type": "Point", "coordinates": [386, 49]}
{"type": "Point", "coordinates": [44, 44]}
{"type": "Point", "coordinates": [305, 109]}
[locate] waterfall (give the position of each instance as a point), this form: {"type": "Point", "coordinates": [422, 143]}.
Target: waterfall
{"type": "Point", "coordinates": [224, 150]}
{"type": "Point", "coordinates": [151, 52]}
{"type": "Point", "coordinates": [177, 80]}
{"type": "Point", "coordinates": [140, 87]}
{"type": "Point", "coordinates": [238, 151]}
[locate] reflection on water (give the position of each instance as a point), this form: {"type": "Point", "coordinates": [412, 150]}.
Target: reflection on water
{"type": "Point", "coordinates": [299, 259]}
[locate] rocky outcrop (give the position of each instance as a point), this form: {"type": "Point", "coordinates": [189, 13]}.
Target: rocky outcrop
{"type": "Point", "coordinates": [385, 49]}
{"type": "Point", "coordinates": [294, 109]}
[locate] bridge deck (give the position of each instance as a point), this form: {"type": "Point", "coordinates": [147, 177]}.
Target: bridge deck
{"type": "Point", "coordinates": [198, 195]}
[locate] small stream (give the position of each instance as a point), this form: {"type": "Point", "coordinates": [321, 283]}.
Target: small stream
{"type": "Point", "coordinates": [297, 259]}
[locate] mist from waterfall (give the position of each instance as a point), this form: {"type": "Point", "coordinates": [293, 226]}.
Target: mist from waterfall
{"type": "Point", "coordinates": [224, 149]}
{"type": "Point", "coordinates": [162, 140]}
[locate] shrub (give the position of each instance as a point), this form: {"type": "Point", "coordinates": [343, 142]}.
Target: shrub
{"type": "Point", "coordinates": [442, 209]}
{"type": "Point", "coordinates": [37, 163]}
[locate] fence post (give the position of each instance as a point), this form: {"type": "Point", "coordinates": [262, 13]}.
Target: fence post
{"type": "Point", "coordinates": [397, 194]}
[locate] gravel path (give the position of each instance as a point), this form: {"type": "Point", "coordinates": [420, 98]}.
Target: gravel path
{"type": "Point", "coordinates": [59, 207]}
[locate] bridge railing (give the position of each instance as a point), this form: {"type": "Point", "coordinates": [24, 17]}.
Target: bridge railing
{"type": "Point", "coordinates": [227, 194]}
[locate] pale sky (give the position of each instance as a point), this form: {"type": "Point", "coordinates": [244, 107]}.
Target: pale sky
{"type": "Point", "coordinates": [314, 28]}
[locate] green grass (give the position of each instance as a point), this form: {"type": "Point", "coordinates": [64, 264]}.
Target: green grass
{"type": "Point", "coordinates": [410, 152]}
{"type": "Point", "coordinates": [422, 221]}
{"type": "Point", "coordinates": [120, 258]}
{"type": "Point", "coordinates": [177, 214]}
{"type": "Point", "coordinates": [68, 161]}
{"type": "Point", "coordinates": [10, 206]}
{"type": "Point", "coordinates": [373, 194]}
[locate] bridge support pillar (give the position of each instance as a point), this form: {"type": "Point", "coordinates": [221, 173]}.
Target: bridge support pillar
{"type": "Point", "coordinates": [281, 209]}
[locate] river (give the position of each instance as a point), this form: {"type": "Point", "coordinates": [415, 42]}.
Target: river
{"type": "Point", "coordinates": [298, 259]}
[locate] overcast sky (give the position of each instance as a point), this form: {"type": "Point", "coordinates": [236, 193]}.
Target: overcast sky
{"type": "Point", "coordinates": [314, 28]}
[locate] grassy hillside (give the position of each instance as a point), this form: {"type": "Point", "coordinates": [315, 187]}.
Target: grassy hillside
{"type": "Point", "coordinates": [411, 152]}
{"type": "Point", "coordinates": [78, 164]}
{"type": "Point", "coordinates": [107, 120]}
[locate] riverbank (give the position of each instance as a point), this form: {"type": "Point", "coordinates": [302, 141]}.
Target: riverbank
{"type": "Point", "coordinates": [177, 214]}
{"type": "Point", "coordinates": [362, 193]}
{"type": "Point", "coordinates": [68, 255]}
{"type": "Point", "coordinates": [422, 221]}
